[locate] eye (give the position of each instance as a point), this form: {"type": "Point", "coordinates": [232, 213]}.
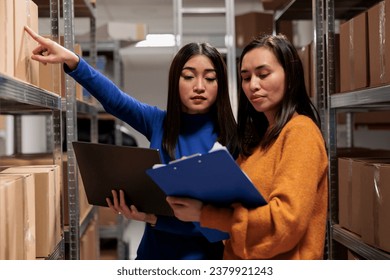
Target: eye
{"type": "Point", "coordinates": [187, 77]}
{"type": "Point", "coordinates": [245, 78]}
{"type": "Point", "coordinates": [211, 79]}
{"type": "Point", "coordinates": [263, 76]}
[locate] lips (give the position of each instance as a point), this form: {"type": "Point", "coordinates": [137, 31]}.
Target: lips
{"type": "Point", "coordinates": [198, 98]}
{"type": "Point", "coordinates": [257, 97]}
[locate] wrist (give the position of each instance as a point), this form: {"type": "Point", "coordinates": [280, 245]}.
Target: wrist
{"type": "Point", "coordinates": [72, 61]}
{"type": "Point", "coordinates": [151, 219]}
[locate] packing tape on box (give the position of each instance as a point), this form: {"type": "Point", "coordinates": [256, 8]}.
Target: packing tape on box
{"type": "Point", "coordinates": [351, 54]}
{"type": "Point", "coordinates": [349, 216]}
{"type": "Point", "coordinates": [26, 43]}
{"type": "Point", "coordinates": [382, 41]}
{"type": "Point", "coordinates": [376, 203]}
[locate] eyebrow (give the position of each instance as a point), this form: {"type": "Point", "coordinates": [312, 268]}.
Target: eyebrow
{"type": "Point", "coordinates": [194, 69]}
{"type": "Point", "coordinates": [256, 69]}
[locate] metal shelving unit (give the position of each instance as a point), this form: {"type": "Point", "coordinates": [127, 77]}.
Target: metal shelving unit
{"type": "Point", "coordinates": [18, 98]}
{"type": "Point", "coordinates": [73, 108]}
{"type": "Point", "coordinates": [111, 48]}
{"type": "Point", "coordinates": [323, 13]}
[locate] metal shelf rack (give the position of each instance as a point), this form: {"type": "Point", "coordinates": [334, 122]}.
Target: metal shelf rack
{"type": "Point", "coordinates": [19, 98]}
{"type": "Point", "coordinates": [71, 109]}
{"type": "Point", "coordinates": [323, 13]}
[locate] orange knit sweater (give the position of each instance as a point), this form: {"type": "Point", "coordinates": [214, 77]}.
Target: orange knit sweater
{"type": "Point", "coordinates": [292, 177]}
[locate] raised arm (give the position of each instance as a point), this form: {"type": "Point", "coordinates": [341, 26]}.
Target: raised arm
{"type": "Point", "coordinates": [49, 51]}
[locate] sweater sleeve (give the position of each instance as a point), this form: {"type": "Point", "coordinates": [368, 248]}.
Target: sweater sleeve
{"type": "Point", "coordinates": [279, 226]}
{"type": "Point", "coordinates": [138, 115]}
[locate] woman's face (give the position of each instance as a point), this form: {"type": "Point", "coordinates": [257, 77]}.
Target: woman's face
{"type": "Point", "coordinates": [198, 85]}
{"type": "Point", "coordinates": [263, 81]}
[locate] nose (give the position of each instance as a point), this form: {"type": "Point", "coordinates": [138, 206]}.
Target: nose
{"type": "Point", "coordinates": [199, 86]}
{"type": "Point", "coordinates": [254, 84]}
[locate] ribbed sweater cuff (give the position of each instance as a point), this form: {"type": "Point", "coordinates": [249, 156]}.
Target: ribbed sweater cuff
{"type": "Point", "coordinates": [216, 218]}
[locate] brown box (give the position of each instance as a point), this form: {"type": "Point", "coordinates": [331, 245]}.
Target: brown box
{"type": "Point", "coordinates": [79, 88]}
{"type": "Point", "coordinates": [89, 242]}
{"type": "Point", "coordinates": [7, 37]}
{"type": "Point", "coordinates": [285, 27]}
{"type": "Point", "coordinates": [349, 193]}
{"type": "Point", "coordinates": [3, 220]}
{"type": "Point", "coordinates": [274, 4]}
{"type": "Point", "coordinates": [17, 217]}
{"type": "Point", "coordinates": [106, 217]}
{"type": "Point", "coordinates": [25, 13]}
{"type": "Point", "coordinates": [252, 24]}
{"type": "Point", "coordinates": [2, 122]}
{"type": "Point", "coordinates": [50, 76]}
{"type": "Point", "coordinates": [354, 54]}
{"type": "Point", "coordinates": [379, 46]}
{"type": "Point", "coordinates": [375, 202]}
{"type": "Point", "coordinates": [47, 210]}
{"type": "Point", "coordinates": [11, 188]}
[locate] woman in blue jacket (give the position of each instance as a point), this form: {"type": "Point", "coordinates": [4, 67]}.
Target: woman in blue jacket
{"type": "Point", "coordinates": [198, 114]}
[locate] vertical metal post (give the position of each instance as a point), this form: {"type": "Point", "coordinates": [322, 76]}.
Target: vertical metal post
{"type": "Point", "coordinates": [230, 42]}
{"type": "Point", "coordinates": [93, 58]}
{"type": "Point", "coordinates": [319, 58]}
{"type": "Point", "coordinates": [17, 134]}
{"type": "Point", "coordinates": [349, 127]}
{"type": "Point", "coordinates": [323, 57]}
{"type": "Point", "coordinates": [56, 118]}
{"type": "Point", "coordinates": [178, 23]}
{"type": "Point", "coordinates": [71, 135]}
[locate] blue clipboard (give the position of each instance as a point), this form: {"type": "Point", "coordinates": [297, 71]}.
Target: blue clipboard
{"type": "Point", "coordinates": [213, 178]}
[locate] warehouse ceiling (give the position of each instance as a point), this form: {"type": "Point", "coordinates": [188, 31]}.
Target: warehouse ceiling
{"type": "Point", "coordinates": [158, 14]}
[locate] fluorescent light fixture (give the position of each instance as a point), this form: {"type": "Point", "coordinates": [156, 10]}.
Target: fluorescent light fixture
{"type": "Point", "coordinates": [157, 40]}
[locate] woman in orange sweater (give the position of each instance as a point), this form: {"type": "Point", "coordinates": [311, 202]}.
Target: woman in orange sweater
{"type": "Point", "coordinates": [283, 152]}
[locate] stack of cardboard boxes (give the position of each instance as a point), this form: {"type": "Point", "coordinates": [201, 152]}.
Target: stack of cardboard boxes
{"type": "Point", "coordinates": [30, 214]}
{"type": "Point", "coordinates": [364, 197]}
{"type": "Point", "coordinates": [43, 200]}
{"type": "Point", "coordinates": [16, 47]}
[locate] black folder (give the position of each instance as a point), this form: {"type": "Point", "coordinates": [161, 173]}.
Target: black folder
{"type": "Point", "coordinates": [105, 167]}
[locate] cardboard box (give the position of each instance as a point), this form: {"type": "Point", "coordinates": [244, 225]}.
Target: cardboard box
{"type": "Point", "coordinates": [349, 193]}
{"type": "Point", "coordinates": [89, 242]}
{"type": "Point", "coordinates": [251, 25]}
{"type": "Point", "coordinates": [50, 76]}
{"type": "Point", "coordinates": [7, 38]}
{"type": "Point", "coordinates": [11, 188]}
{"type": "Point", "coordinates": [79, 88]}
{"type": "Point", "coordinates": [47, 210]}
{"type": "Point", "coordinates": [274, 4]}
{"type": "Point", "coordinates": [106, 217]}
{"type": "Point", "coordinates": [3, 220]}
{"type": "Point", "coordinates": [375, 202]}
{"type": "Point", "coordinates": [354, 65]}
{"type": "Point", "coordinates": [352, 191]}
{"type": "Point", "coordinates": [2, 122]}
{"type": "Point", "coordinates": [379, 46]}
{"type": "Point", "coordinates": [17, 217]}
{"type": "Point", "coordinates": [25, 13]}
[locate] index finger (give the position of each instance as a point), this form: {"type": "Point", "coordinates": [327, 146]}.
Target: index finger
{"type": "Point", "coordinates": [33, 34]}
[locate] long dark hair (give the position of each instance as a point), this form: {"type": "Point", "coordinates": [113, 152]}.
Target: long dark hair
{"type": "Point", "coordinates": [253, 125]}
{"type": "Point", "coordinates": [221, 110]}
